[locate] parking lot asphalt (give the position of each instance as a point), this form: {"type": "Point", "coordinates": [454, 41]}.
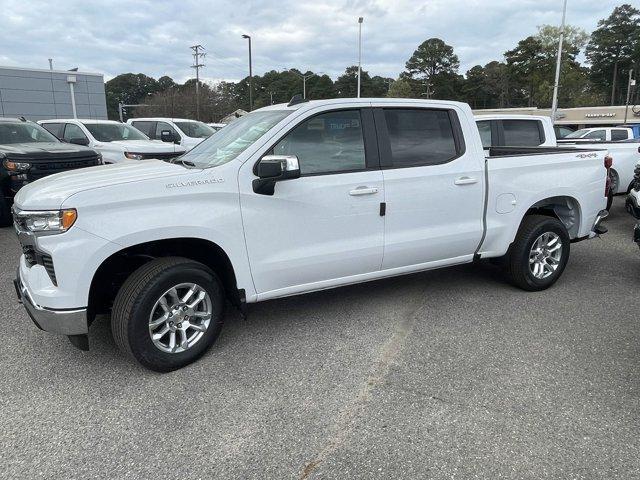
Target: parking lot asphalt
{"type": "Point", "coordinates": [445, 374]}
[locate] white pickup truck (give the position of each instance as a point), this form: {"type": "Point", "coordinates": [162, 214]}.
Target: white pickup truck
{"type": "Point", "coordinates": [115, 141]}
{"type": "Point", "coordinates": [286, 200]}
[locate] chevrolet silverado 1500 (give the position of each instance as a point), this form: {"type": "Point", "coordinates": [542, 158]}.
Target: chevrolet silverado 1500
{"type": "Point", "coordinates": [290, 199]}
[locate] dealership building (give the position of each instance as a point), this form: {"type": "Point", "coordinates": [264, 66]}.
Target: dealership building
{"type": "Point", "coordinates": [44, 94]}
{"type": "Point", "coordinates": [579, 117]}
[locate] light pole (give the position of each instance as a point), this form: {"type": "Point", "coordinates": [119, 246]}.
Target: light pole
{"type": "Point", "coordinates": [304, 81]}
{"type": "Point", "coordinates": [248, 37]}
{"type": "Point", "coordinates": [359, 52]}
{"type": "Point", "coordinates": [554, 103]}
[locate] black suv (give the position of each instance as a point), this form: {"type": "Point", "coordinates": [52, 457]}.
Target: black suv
{"type": "Point", "coordinates": [29, 152]}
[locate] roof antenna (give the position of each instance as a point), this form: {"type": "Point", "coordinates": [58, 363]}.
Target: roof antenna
{"type": "Point", "coordinates": [296, 99]}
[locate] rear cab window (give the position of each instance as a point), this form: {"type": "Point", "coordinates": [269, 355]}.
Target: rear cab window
{"type": "Point", "coordinates": [523, 133]}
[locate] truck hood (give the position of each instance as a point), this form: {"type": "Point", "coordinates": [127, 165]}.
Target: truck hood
{"type": "Point", "coordinates": [144, 146]}
{"type": "Point", "coordinates": [50, 192]}
{"type": "Point", "coordinates": [37, 150]}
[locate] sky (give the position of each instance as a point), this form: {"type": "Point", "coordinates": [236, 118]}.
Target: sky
{"type": "Point", "coordinates": [153, 37]}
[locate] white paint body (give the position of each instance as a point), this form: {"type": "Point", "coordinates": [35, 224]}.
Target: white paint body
{"type": "Point", "coordinates": [311, 234]}
{"type": "Point", "coordinates": [114, 152]}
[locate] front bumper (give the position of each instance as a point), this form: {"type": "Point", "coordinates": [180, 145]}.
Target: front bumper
{"type": "Point", "coordinates": [63, 322]}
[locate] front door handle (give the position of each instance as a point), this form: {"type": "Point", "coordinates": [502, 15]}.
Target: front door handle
{"type": "Point", "coordinates": [465, 181]}
{"type": "Point", "coordinates": [363, 191]}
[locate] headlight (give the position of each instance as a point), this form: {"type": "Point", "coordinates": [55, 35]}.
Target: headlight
{"type": "Point", "coordinates": [12, 166]}
{"type": "Point", "coordinates": [46, 221]}
{"type": "Point", "coordinates": [133, 156]}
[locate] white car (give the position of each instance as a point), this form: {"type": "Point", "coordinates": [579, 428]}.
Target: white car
{"type": "Point", "coordinates": [291, 199]}
{"type": "Point", "coordinates": [601, 134]}
{"type": "Point", "coordinates": [116, 141]}
{"type": "Point", "coordinates": [515, 130]}
{"type": "Point", "coordinates": [181, 131]}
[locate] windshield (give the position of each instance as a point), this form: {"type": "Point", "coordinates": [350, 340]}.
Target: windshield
{"type": "Point", "coordinates": [578, 133]}
{"type": "Point", "coordinates": [112, 132]}
{"type": "Point", "coordinates": [195, 129]}
{"type": "Point", "coordinates": [233, 139]}
{"type": "Point", "coordinates": [24, 133]}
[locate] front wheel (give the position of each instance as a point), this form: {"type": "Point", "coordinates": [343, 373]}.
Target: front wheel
{"type": "Point", "coordinates": [539, 253]}
{"type": "Point", "coordinates": [168, 313]}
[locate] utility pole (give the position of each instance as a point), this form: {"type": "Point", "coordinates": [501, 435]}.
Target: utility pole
{"type": "Point", "coordinates": [554, 103]}
{"type": "Point", "coordinates": [51, 64]}
{"type": "Point", "coordinates": [248, 37]}
{"type": "Point", "coordinates": [197, 55]}
{"type": "Point", "coordinates": [360, 19]}
{"type": "Point", "coordinates": [632, 83]}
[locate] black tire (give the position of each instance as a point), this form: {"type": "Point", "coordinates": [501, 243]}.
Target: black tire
{"type": "Point", "coordinates": [518, 270]}
{"type": "Point", "coordinates": [136, 299]}
{"type": "Point", "coordinates": [5, 213]}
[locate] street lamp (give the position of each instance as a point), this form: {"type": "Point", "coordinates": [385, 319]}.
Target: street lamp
{"type": "Point", "coordinates": [304, 81]}
{"type": "Point", "coordinates": [250, 74]}
{"type": "Point", "coordinates": [359, 52]}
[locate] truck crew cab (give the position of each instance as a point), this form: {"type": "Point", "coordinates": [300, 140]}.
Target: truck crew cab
{"type": "Point", "coordinates": [287, 200]}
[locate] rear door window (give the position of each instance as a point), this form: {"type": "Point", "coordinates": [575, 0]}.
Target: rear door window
{"type": "Point", "coordinates": [522, 133]}
{"type": "Point", "coordinates": [619, 134]}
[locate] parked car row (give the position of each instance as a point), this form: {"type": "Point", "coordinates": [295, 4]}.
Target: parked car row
{"type": "Point", "coordinates": [290, 199]}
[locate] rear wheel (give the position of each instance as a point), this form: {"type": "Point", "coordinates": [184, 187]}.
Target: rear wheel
{"type": "Point", "coordinates": [168, 313]}
{"type": "Point", "coordinates": [539, 253]}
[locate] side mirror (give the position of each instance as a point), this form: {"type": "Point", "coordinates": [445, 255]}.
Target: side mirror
{"type": "Point", "coordinates": [79, 141]}
{"type": "Point", "coordinates": [167, 136]}
{"type": "Point", "coordinates": [272, 169]}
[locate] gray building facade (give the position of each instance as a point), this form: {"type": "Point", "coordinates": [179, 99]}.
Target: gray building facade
{"type": "Point", "coordinates": [44, 94]}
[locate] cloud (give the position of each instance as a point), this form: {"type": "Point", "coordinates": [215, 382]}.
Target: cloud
{"type": "Point", "coordinates": [153, 37]}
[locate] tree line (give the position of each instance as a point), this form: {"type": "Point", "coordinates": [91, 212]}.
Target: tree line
{"type": "Point", "coordinates": [523, 78]}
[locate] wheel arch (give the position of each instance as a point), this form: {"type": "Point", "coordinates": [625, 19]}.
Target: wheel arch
{"type": "Point", "coordinates": [563, 207]}
{"type": "Point", "coordinates": [114, 270]}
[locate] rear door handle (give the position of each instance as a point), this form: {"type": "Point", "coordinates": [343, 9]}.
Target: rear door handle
{"type": "Point", "coordinates": [465, 181]}
{"type": "Point", "coordinates": [363, 191]}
